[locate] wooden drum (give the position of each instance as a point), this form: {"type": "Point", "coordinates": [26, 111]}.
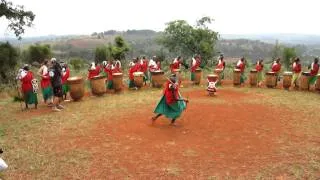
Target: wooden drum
{"type": "Point", "coordinates": [304, 81]}
{"type": "Point", "coordinates": [212, 77]}
{"type": "Point", "coordinates": [158, 79]}
{"type": "Point", "coordinates": [98, 85]}
{"type": "Point", "coordinates": [318, 83]}
{"type": "Point", "coordinates": [76, 85]}
{"type": "Point", "coordinates": [117, 81]}
{"type": "Point", "coordinates": [218, 73]}
{"type": "Point", "coordinates": [253, 77]}
{"type": "Point", "coordinates": [236, 77]}
{"type": "Point", "coordinates": [271, 79]}
{"type": "Point", "coordinates": [138, 79]}
{"type": "Point", "coordinates": [287, 79]}
{"type": "Point", "coordinates": [197, 78]}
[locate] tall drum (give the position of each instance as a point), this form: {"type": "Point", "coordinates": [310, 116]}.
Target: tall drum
{"type": "Point", "coordinates": [117, 81]}
{"type": "Point", "coordinates": [304, 81]}
{"type": "Point", "coordinates": [178, 73]}
{"type": "Point", "coordinates": [197, 78]}
{"type": "Point", "coordinates": [271, 79]}
{"type": "Point", "coordinates": [76, 85]}
{"type": "Point", "coordinates": [98, 85]}
{"type": "Point", "coordinates": [318, 83]}
{"type": "Point", "coordinates": [138, 79]}
{"type": "Point", "coordinates": [236, 77]}
{"type": "Point", "coordinates": [287, 79]}
{"type": "Point", "coordinates": [158, 79]}
{"type": "Point", "coordinates": [253, 77]}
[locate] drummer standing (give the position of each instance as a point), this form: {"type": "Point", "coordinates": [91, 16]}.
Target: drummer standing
{"type": "Point", "coordinates": [221, 65]}
{"type": "Point", "coordinates": [144, 68]}
{"type": "Point", "coordinates": [109, 69]}
{"type": "Point", "coordinates": [176, 64]}
{"type": "Point", "coordinates": [134, 67]}
{"type": "Point", "coordinates": [276, 68]}
{"type": "Point", "coordinates": [259, 68]}
{"type": "Point", "coordinates": [241, 66]}
{"type": "Point", "coordinates": [45, 83]}
{"type": "Point", "coordinates": [94, 70]}
{"type": "Point", "coordinates": [195, 63]}
{"type": "Point", "coordinates": [314, 69]}
{"type": "Point", "coordinates": [296, 69]}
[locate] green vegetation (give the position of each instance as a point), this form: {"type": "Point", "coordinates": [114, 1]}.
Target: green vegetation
{"type": "Point", "coordinates": [8, 61]}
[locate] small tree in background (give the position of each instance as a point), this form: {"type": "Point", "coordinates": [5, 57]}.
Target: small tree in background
{"type": "Point", "coordinates": [100, 54]}
{"type": "Point", "coordinates": [37, 53]}
{"type": "Point", "coordinates": [77, 63]}
{"type": "Point", "coordinates": [288, 54]}
{"type": "Point", "coordinates": [8, 60]}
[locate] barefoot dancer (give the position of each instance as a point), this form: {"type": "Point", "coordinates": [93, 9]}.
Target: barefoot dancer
{"type": "Point", "coordinates": [29, 93]}
{"type": "Point", "coordinates": [47, 92]}
{"type": "Point", "coordinates": [259, 68]}
{"type": "Point", "coordinates": [171, 104]}
{"type": "Point", "coordinates": [65, 76]}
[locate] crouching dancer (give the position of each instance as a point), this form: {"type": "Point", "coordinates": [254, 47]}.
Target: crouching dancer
{"type": "Point", "coordinates": [171, 104]}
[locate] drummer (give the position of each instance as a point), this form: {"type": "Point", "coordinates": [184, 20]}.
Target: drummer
{"type": "Point", "coordinates": [296, 69]}
{"type": "Point", "coordinates": [176, 64]}
{"type": "Point", "coordinates": [241, 66]}
{"type": "Point", "coordinates": [153, 66]}
{"type": "Point", "coordinates": [195, 64]}
{"type": "Point", "coordinates": [276, 68]}
{"type": "Point", "coordinates": [134, 67]}
{"type": "Point", "coordinates": [109, 69]}
{"type": "Point", "coordinates": [171, 104]}
{"type": "Point", "coordinates": [45, 83]}
{"type": "Point", "coordinates": [259, 68]}
{"type": "Point", "coordinates": [314, 68]}
{"type": "Point", "coordinates": [144, 68]}
{"type": "Point", "coordinates": [221, 65]}
{"type": "Point", "coordinates": [94, 70]}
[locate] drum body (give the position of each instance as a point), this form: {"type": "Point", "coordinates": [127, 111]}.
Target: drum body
{"type": "Point", "coordinates": [271, 79]}
{"type": "Point", "coordinates": [287, 79]}
{"type": "Point", "coordinates": [158, 79]}
{"type": "Point", "coordinates": [98, 85]}
{"type": "Point", "coordinates": [318, 83]}
{"type": "Point", "coordinates": [76, 85]}
{"type": "Point", "coordinates": [253, 77]}
{"type": "Point", "coordinates": [117, 81]}
{"type": "Point", "coordinates": [197, 78]}
{"type": "Point", "coordinates": [304, 81]}
{"type": "Point", "coordinates": [138, 79]}
{"type": "Point", "coordinates": [218, 73]}
{"type": "Point", "coordinates": [236, 77]}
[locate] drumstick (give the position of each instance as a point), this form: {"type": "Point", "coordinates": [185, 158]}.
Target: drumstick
{"type": "Point", "coordinates": [186, 100]}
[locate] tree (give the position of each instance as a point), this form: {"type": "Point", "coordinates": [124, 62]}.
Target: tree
{"type": "Point", "coordinates": [187, 40]}
{"type": "Point", "coordinates": [8, 61]}
{"type": "Point", "coordinates": [100, 54]}
{"type": "Point", "coordinates": [119, 49]}
{"type": "Point", "coordinates": [288, 54]}
{"type": "Point", "coordinates": [38, 53]}
{"type": "Point", "coordinates": [18, 17]}
{"type": "Point", "coordinates": [77, 63]}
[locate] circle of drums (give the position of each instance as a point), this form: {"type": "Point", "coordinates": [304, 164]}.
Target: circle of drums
{"type": "Point", "coordinates": [98, 83]}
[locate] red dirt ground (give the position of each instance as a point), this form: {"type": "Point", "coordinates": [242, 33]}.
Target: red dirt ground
{"type": "Point", "coordinates": [209, 140]}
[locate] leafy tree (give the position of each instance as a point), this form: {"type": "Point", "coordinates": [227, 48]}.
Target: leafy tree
{"type": "Point", "coordinates": [37, 53]}
{"type": "Point", "coordinates": [17, 16]}
{"type": "Point", "coordinates": [120, 48]}
{"type": "Point", "coordinates": [100, 54]}
{"type": "Point", "coordinates": [8, 61]}
{"type": "Point", "coordinates": [187, 40]}
{"type": "Point", "coordinates": [77, 63]}
{"type": "Point", "coordinates": [288, 54]}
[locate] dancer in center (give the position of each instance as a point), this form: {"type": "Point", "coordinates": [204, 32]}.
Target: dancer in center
{"type": "Point", "coordinates": [172, 103]}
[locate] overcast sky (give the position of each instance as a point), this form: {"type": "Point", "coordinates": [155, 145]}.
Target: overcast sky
{"type": "Point", "coordinates": [61, 17]}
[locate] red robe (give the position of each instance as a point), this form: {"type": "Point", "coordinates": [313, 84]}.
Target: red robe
{"type": "Point", "coordinates": [65, 76]}
{"type": "Point", "coordinates": [314, 70]}
{"type": "Point", "coordinates": [94, 72]}
{"type": "Point", "coordinates": [259, 67]}
{"type": "Point", "coordinates": [221, 65]}
{"type": "Point", "coordinates": [276, 67]}
{"type": "Point", "coordinates": [296, 68]}
{"type": "Point", "coordinates": [171, 95]}
{"type": "Point", "coordinates": [241, 66]}
{"type": "Point", "coordinates": [26, 82]}
{"type": "Point", "coordinates": [144, 66]}
{"type": "Point", "coordinates": [196, 65]}
{"type": "Point", "coordinates": [175, 65]}
{"type": "Point", "coordinates": [133, 69]}
{"type": "Point", "coordinates": [45, 81]}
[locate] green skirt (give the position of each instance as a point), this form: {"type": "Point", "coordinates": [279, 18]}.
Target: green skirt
{"type": "Point", "coordinates": [30, 97]}
{"type": "Point", "coordinates": [259, 76]}
{"type": "Point", "coordinates": [145, 77]}
{"type": "Point", "coordinates": [295, 78]}
{"type": "Point", "coordinates": [131, 84]}
{"type": "Point", "coordinates": [110, 84]}
{"type": "Point", "coordinates": [47, 93]}
{"type": "Point", "coordinates": [172, 111]}
{"type": "Point", "coordinates": [312, 80]}
{"type": "Point", "coordinates": [65, 88]}
{"type": "Point", "coordinates": [193, 76]}
{"type": "Point", "coordinates": [242, 78]}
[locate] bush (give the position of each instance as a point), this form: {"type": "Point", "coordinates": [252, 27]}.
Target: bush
{"type": "Point", "coordinates": [8, 61]}
{"type": "Point", "coordinates": [77, 63]}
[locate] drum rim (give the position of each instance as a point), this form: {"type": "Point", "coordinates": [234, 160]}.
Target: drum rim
{"type": "Point", "coordinates": [115, 74]}
{"type": "Point", "coordinates": [75, 78]}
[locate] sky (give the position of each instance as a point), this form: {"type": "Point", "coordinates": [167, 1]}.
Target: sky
{"type": "Point", "coordinates": [65, 17]}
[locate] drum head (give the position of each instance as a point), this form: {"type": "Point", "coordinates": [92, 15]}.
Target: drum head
{"type": "Point", "coordinates": [287, 73]}
{"type": "Point", "coordinates": [236, 70]}
{"type": "Point", "coordinates": [270, 73]}
{"type": "Point", "coordinates": [117, 74]}
{"type": "Point", "coordinates": [212, 76]}
{"type": "Point", "coordinates": [138, 73]}
{"type": "Point", "coordinates": [306, 73]}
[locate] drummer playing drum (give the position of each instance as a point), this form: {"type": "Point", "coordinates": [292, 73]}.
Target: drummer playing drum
{"type": "Point", "coordinates": [221, 66]}
{"type": "Point", "coordinates": [134, 67]}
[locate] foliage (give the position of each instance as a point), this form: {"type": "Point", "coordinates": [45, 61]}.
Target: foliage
{"type": "Point", "coordinates": [276, 52]}
{"type": "Point", "coordinates": [18, 17]}
{"type": "Point", "coordinates": [288, 54]}
{"type": "Point", "coordinates": [187, 40]}
{"type": "Point", "coordinates": [8, 60]}
{"type": "Point", "coordinates": [100, 54]}
{"type": "Point", "coordinates": [37, 53]}
{"type": "Point", "coordinates": [77, 63]}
